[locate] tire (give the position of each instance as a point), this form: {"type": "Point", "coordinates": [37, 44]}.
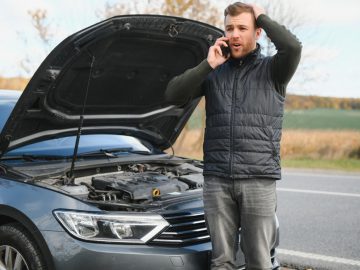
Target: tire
{"type": "Point", "coordinates": [18, 250]}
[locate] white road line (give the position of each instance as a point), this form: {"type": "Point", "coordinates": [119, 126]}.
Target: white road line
{"type": "Point", "coordinates": [319, 192]}
{"type": "Point", "coordinates": [321, 175]}
{"type": "Point", "coordinates": [318, 257]}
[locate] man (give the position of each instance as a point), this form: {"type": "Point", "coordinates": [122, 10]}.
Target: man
{"type": "Point", "coordinates": [245, 95]}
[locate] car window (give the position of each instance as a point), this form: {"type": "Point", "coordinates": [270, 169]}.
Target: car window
{"type": "Point", "coordinates": [88, 143]}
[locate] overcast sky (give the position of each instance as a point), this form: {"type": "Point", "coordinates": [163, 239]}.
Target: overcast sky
{"type": "Point", "coordinates": [333, 42]}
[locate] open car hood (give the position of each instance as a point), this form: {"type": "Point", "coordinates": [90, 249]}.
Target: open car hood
{"type": "Point", "coordinates": [126, 63]}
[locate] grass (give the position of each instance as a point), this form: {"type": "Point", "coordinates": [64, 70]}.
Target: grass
{"type": "Point", "coordinates": [350, 165]}
{"type": "Point", "coordinates": [320, 144]}
{"type": "Point", "coordinates": [322, 119]}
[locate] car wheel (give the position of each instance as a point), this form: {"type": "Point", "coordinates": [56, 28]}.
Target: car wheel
{"type": "Point", "coordinates": [17, 250]}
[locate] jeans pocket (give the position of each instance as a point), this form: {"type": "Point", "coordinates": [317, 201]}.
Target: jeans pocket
{"type": "Point", "coordinates": [259, 197]}
{"type": "Point", "coordinates": [216, 193]}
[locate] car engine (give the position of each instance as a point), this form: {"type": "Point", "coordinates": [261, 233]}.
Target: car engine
{"type": "Point", "coordinates": [137, 183]}
{"type": "Point", "coordinates": [138, 186]}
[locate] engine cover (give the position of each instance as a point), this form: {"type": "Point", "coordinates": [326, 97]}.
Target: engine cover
{"type": "Point", "coordinates": [139, 186]}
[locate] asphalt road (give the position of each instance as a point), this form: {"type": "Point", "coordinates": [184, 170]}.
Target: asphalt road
{"type": "Point", "coordinates": [319, 215]}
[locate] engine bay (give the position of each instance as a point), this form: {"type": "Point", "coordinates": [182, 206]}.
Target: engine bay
{"type": "Point", "coordinates": [136, 184]}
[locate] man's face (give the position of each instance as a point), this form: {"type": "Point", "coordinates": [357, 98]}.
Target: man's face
{"type": "Point", "coordinates": [242, 34]}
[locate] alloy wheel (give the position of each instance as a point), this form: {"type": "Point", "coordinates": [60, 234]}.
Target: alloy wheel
{"type": "Point", "coordinates": [11, 259]}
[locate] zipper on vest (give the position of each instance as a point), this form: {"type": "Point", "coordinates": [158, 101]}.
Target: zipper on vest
{"type": "Point", "coordinates": [232, 118]}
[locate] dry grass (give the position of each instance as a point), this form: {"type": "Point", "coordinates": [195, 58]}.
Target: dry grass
{"type": "Point", "coordinates": [313, 144]}
{"type": "Point", "coordinates": [320, 144]}
{"type": "Point", "coordinates": [189, 144]}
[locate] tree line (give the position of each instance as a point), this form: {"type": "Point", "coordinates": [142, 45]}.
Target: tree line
{"type": "Point", "coordinates": [13, 83]}
{"type": "Point", "coordinates": [297, 102]}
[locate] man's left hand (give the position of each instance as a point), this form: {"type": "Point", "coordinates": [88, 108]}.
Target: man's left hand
{"type": "Point", "coordinates": [257, 10]}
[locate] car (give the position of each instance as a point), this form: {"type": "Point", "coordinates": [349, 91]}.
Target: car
{"type": "Point", "coordinates": [85, 181]}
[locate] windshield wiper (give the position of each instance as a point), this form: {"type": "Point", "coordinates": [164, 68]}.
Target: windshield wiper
{"type": "Point", "coordinates": [113, 152]}
{"type": "Point", "coordinates": [32, 157]}
{"type": "Point", "coordinates": [126, 150]}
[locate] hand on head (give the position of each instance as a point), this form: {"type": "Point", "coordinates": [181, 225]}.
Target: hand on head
{"type": "Point", "coordinates": [257, 10]}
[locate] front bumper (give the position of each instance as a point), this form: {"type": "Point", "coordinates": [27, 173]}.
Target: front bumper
{"type": "Point", "coordinates": [70, 254]}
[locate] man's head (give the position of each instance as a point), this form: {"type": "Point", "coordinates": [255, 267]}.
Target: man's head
{"type": "Point", "coordinates": [241, 29]}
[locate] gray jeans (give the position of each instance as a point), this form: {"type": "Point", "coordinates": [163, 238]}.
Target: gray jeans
{"type": "Point", "coordinates": [250, 204]}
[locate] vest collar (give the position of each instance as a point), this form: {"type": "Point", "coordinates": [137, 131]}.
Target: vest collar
{"type": "Point", "coordinates": [246, 58]}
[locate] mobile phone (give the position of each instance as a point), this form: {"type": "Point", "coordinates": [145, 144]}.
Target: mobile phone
{"type": "Point", "coordinates": [225, 50]}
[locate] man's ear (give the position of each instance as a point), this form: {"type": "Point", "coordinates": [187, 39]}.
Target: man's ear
{"type": "Point", "coordinates": [257, 33]}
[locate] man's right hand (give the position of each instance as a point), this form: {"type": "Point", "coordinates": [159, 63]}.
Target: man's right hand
{"type": "Point", "coordinates": [215, 57]}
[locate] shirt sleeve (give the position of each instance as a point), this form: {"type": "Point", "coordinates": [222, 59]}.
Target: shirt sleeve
{"type": "Point", "coordinates": [189, 84]}
{"type": "Point", "coordinates": [287, 58]}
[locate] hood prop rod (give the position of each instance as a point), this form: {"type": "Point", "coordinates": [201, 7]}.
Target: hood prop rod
{"type": "Point", "coordinates": [70, 179]}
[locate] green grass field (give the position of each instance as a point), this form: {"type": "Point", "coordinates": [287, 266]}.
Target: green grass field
{"type": "Point", "coordinates": [349, 165]}
{"type": "Point", "coordinates": [308, 119]}
{"type": "Point", "coordinates": [322, 119]}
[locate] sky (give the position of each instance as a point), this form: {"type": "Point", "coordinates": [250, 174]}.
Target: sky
{"type": "Point", "coordinates": [330, 36]}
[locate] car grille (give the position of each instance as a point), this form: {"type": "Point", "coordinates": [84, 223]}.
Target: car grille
{"type": "Point", "coordinates": [184, 229]}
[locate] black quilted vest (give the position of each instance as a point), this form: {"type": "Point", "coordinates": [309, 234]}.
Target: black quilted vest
{"type": "Point", "coordinates": [244, 115]}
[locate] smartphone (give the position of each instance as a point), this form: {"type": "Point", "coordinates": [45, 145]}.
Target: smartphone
{"type": "Point", "coordinates": [225, 50]}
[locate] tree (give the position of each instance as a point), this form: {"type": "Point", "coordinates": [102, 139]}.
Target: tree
{"type": "Point", "coordinates": [43, 32]}
{"type": "Point", "coordinates": [201, 10]}
{"type": "Point", "coordinates": [41, 25]}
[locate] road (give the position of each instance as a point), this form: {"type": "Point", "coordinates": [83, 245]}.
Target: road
{"type": "Point", "coordinates": [319, 214]}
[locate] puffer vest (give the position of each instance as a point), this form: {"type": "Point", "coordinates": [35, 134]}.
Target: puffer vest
{"type": "Point", "coordinates": [244, 115]}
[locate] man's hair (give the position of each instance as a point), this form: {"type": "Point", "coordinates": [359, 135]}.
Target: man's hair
{"type": "Point", "coordinates": [237, 8]}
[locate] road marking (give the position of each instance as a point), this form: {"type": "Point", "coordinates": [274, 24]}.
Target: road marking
{"type": "Point", "coordinates": [357, 177]}
{"type": "Point", "coordinates": [319, 192]}
{"type": "Point", "coordinates": [318, 257]}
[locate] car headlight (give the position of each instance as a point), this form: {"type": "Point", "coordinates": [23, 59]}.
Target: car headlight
{"type": "Point", "coordinates": [122, 227]}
